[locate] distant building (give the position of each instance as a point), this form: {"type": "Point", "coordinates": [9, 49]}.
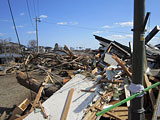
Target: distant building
{"type": "Point", "coordinates": [42, 49]}
{"type": "Point", "coordinates": [48, 49]}
{"type": "Point", "coordinates": [7, 57]}
{"type": "Point", "coordinates": [10, 51]}
{"type": "Point", "coordinates": [10, 47]}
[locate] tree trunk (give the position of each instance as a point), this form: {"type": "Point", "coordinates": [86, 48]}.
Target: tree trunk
{"type": "Point", "coordinates": [34, 85]}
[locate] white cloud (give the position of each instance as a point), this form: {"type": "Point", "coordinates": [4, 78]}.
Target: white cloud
{"type": "Point", "coordinates": [18, 26]}
{"type": "Point", "coordinates": [119, 37]}
{"type": "Point", "coordinates": [125, 24]}
{"type": "Point", "coordinates": [43, 16]}
{"type": "Point", "coordinates": [129, 36]}
{"type": "Point", "coordinates": [21, 14]}
{"type": "Point", "coordinates": [73, 23]}
{"type": "Point", "coordinates": [31, 32]}
{"type": "Point", "coordinates": [62, 23]}
{"type": "Point", "coordinates": [4, 20]}
{"type": "Point", "coordinates": [2, 34]}
{"type": "Point", "coordinates": [106, 26]}
{"type": "Point", "coordinates": [97, 32]}
{"type": "Point", "coordinates": [67, 23]}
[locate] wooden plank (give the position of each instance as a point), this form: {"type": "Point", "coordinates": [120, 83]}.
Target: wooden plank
{"type": "Point", "coordinates": [87, 116]}
{"type": "Point", "coordinates": [151, 95]}
{"type": "Point", "coordinates": [112, 68]}
{"type": "Point", "coordinates": [27, 60]}
{"type": "Point", "coordinates": [110, 114]}
{"type": "Point", "coordinates": [19, 109]}
{"type": "Point", "coordinates": [44, 112]}
{"type": "Point", "coordinates": [113, 82]}
{"type": "Point", "coordinates": [127, 94]}
{"type": "Point", "coordinates": [87, 90]}
{"type": "Point", "coordinates": [155, 113]}
{"type": "Point", "coordinates": [153, 79]}
{"type": "Point", "coordinates": [67, 105]}
{"type": "Point", "coordinates": [50, 78]}
{"type": "Point", "coordinates": [122, 65]}
{"type": "Point", "coordinates": [94, 71]}
{"type": "Point", "coordinates": [36, 101]}
{"type": "Point", "coordinates": [109, 49]}
{"type": "Point", "coordinates": [3, 116]}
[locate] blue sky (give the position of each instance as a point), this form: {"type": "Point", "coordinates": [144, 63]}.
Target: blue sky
{"type": "Point", "coordinates": [73, 22]}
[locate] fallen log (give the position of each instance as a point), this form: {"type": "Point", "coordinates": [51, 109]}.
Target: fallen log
{"type": "Point", "coordinates": [34, 85]}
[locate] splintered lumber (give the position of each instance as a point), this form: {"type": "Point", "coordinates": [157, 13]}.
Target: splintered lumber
{"type": "Point", "coordinates": [27, 60]}
{"type": "Point", "coordinates": [34, 85]}
{"type": "Point", "coordinates": [113, 82]}
{"type": "Point", "coordinates": [19, 109]}
{"type": "Point", "coordinates": [67, 105]}
{"type": "Point", "coordinates": [94, 71]}
{"type": "Point", "coordinates": [111, 114]}
{"type": "Point", "coordinates": [70, 52]}
{"type": "Point", "coordinates": [44, 112]}
{"type": "Point", "coordinates": [36, 101]}
{"type": "Point", "coordinates": [151, 95]}
{"type": "Point", "coordinates": [122, 65]}
{"type": "Point", "coordinates": [156, 109]}
{"type": "Point", "coordinates": [153, 79]}
{"type": "Point", "coordinates": [3, 116]}
{"type": "Point", "coordinates": [127, 99]}
{"type": "Point", "coordinates": [88, 90]}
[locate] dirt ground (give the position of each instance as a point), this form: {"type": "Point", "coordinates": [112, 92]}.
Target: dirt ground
{"type": "Point", "coordinates": [12, 93]}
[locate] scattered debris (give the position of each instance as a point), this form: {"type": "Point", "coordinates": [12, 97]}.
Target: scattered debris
{"type": "Point", "coordinates": [99, 79]}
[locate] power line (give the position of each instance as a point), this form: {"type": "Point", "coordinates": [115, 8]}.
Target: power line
{"type": "Point", "coordinates": [14, 24]}
{"type": "Point", "coordinates": [23, 56]}
{"type": "Point", "coordinates": [29, 13]}
{"type": "Point", "coordinates": [87, 28]}
{"type": "Point", "coordinates": [38, 7]}
{"type": "Point", "coordinates": [34, 7]}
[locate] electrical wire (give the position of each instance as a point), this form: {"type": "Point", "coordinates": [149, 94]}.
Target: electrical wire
{"type": "Point", "coordinates": [38, 8]}
{"type": "Point", "coordinates": [14, 24]}
{"type": "Point", "coordinates": [87, 28]}
{"type": "Point", "coordinates": [34, 8]}
{"type": "Point", "coordinates": [29, 13]}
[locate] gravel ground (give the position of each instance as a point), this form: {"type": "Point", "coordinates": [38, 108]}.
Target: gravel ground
{"type": "Point", "coordinates": [11, 93]}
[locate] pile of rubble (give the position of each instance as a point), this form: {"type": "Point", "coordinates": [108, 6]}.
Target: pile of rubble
{"type": "Point", "coordinates": [109, 70]}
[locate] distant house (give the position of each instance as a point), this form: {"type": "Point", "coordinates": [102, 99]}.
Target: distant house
{"type": "Point", "coordinates": [10, 51]}
{"type": "Point", "coordinates": [48, 49]}
{"type": "Point", "coordinates": [41, 49]}
{"type": "Point", "coordinates": [10, 47]}
{"type": "Point", "coordinates": [7, 57]}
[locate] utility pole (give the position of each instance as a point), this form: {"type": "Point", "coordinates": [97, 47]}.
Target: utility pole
{"type": "Point", "coordinates": [136, 108]}
{"type": "Point", "coordinates": [37, 20]}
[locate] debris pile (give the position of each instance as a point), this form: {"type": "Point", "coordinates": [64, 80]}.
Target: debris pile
{"type": "Point", "coordinates": [110, 70]}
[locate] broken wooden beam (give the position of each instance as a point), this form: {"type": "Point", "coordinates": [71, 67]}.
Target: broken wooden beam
{"type": "Point", "coordinates": [151, 95]}
{"type": "Point", "coordinates": [122, 65]}
{"type": "Point", "coordinates": [67, 105]}
{"type": "Point", "coordinates": [19, 109]}
{"type": "Point", "coordinates": [44, 112]}
{"type": "Point", "coordinates": [34, 85]}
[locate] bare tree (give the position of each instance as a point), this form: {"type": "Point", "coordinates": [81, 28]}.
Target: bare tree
{"type": "Point", "coordinates": [32, 44]}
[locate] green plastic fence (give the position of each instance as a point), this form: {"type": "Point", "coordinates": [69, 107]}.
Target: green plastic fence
{"type": "Point", "coordinates": [127, 99]}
